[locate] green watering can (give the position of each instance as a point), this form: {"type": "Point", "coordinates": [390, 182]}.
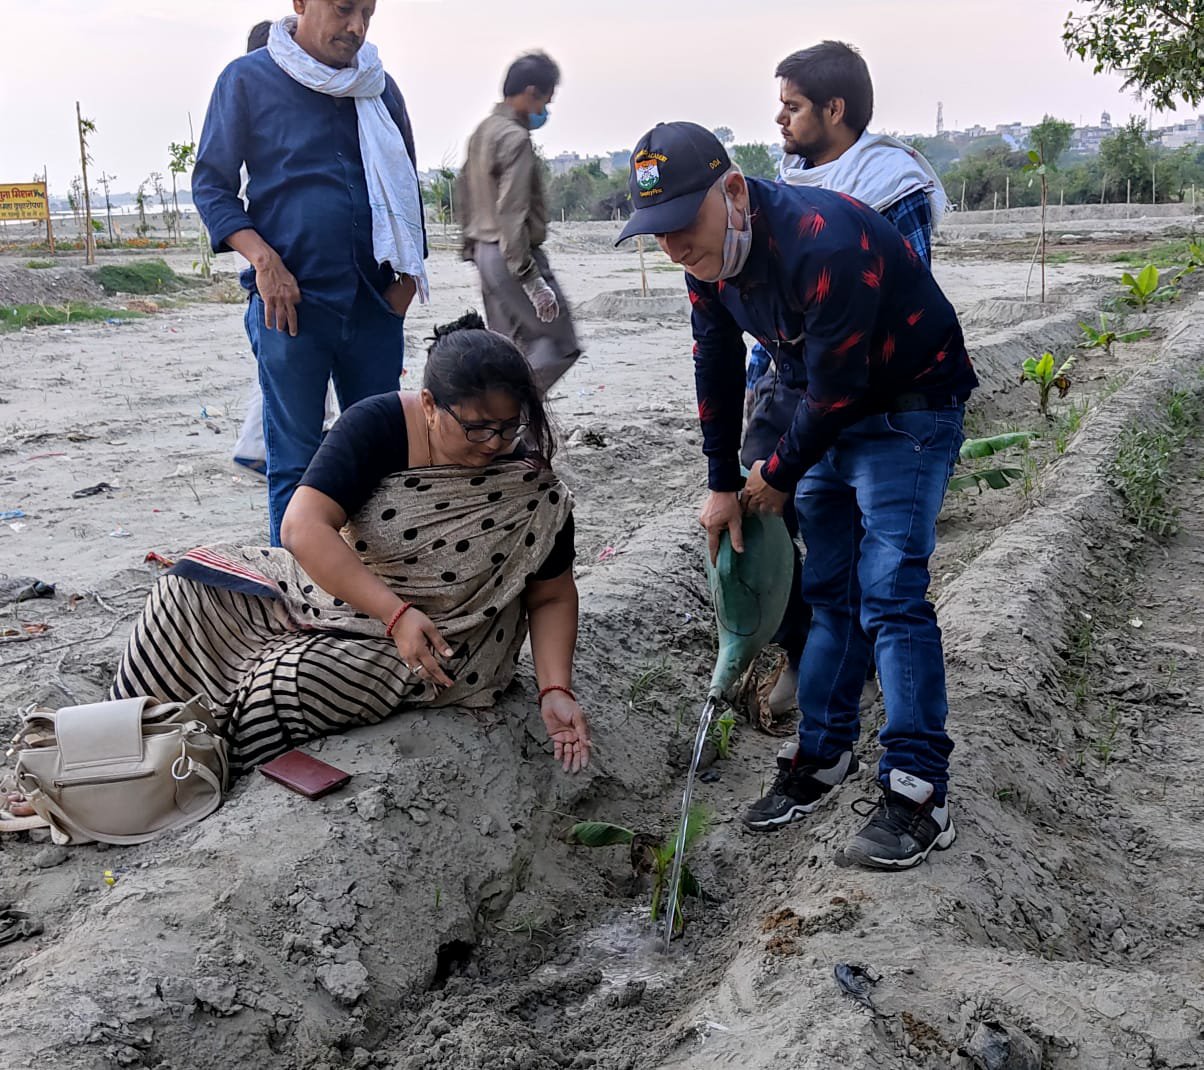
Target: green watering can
{"type": "Point", "coordinates": [750, 591]}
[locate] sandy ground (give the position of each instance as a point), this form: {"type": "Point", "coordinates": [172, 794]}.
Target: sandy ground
{"type": "Point", "coordinates": [453, 929]}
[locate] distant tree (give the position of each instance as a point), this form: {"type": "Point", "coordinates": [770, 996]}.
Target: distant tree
{"type": "Point", "coordinates": [182, 158]}
{"type": "Point", "coordinates": [754, 160]}
{"type": "Point", "coordinates": [1158, 45]}
{"type": "Point", "coordinates": [1050, 139]}
{"type": "Point", "coordinates": [724, 134]}
{"type": "Point", "coordinates": [938, 151]}
{"type": "Point", "coordinates": [1125, 158]}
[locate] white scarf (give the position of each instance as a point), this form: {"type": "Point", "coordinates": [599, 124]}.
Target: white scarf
{"type": "Point", "coordinates": [393, 192]}
{"type": "Point", "coordinates": [877, 169]}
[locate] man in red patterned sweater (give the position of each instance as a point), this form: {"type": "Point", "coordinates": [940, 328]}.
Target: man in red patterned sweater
{"type": "Point", "coordinates": [850, 313]}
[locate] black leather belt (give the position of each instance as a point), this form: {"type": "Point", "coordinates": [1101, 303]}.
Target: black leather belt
{"type": "Point", "coordinates": [922, 402]}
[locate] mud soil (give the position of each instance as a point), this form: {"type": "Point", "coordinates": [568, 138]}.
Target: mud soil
{"type": "Point", "coordinates": [430, 916]}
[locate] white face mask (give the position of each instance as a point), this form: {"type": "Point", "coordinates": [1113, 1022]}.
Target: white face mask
{"type": "Point", "coordinates": [737, 243]}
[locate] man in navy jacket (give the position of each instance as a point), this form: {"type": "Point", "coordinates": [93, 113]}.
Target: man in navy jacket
{"type": "Point", "coordinates": [320, 304]}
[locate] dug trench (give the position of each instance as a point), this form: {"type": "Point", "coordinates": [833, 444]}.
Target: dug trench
{"type": "Point", "coordinates": [438, 920]}
{"type": "Point", "coordinates": [1064, 928]}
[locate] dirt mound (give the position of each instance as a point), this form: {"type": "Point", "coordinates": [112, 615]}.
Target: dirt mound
{"type": "Point", "coordinates": [659, 304]}
{"type": "Point", "coordinates": [47, 286]}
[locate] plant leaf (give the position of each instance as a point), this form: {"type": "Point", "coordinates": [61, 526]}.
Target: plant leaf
{"type": "Point", "coordinates": [1133, 336]}
{"type": "Point", "coordinates": [1045, 366]}
{"type": "Point", "coordinates": [690, 884]}
{"type": "Point", "coordinates": [598, 834]}
{"type": "Point", "coordinates": [1147, 281]}
{"type": "Point", "coordinates": [965, 482]}
{"type": "Point", "coordinates": [974, 448]}
{"type": "Point", "coordinates": [998, 478]}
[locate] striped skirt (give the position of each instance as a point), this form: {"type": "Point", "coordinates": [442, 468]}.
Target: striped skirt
{"type": "Point", "coordinates": [276, 687]}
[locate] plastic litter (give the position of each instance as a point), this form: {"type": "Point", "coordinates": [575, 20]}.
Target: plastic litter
{"type": "Point", "coordinates": [996, 1047]}
{"type": "Point", "coordinates": [856, 982]}
{"type": "Point", "coordinates": [607, 554]}
{"type": "Point", "coordinates": [13, 514]}
{"type": "Point", "coordinates": [92, 491]}
{"type": "Point", "coordinates": [23, 589]}
{"type": "Point", "coordinates": [159, 559]}
{"type": "Point", "coordinates": [120, 533]}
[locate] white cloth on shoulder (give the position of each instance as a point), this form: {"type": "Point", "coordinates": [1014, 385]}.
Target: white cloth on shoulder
{"type": "Point", "coordinates": [393, 193]}
{"type": "Point", "coordinates": [877, 169]}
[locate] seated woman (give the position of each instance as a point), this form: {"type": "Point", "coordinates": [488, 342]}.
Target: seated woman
{"type": "Point", "coordinates": [424, 540]}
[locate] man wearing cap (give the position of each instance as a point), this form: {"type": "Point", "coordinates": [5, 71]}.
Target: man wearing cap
{"type": "Point", "coordinates": [827, 101]}
{"type": "Point", "coordinates": [850, 313]}
{"type": "Point", "coordinates": [505, 221]}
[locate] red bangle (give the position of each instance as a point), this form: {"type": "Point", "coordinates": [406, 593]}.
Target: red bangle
{"type": "Point", "coordinates": [401, 612]}
{"type": "Point", "coordinates": [556, 687]}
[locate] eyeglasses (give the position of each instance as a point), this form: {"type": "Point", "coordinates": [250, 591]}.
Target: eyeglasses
{"type": "Point", "coordinates": [481, 433]}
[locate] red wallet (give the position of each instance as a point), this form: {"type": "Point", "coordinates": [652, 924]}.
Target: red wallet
{"type": "Point", "coordinates": [305, 774]}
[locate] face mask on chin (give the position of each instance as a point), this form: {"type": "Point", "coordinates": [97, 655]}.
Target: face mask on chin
{"type": "Point", "coordinates": [737, 243]}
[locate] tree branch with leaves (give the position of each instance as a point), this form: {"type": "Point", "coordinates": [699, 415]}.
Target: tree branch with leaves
{"type": "Point", "coordinates": [1158, 45]}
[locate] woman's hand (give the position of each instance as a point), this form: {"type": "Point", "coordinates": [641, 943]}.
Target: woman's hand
{"type": "Point", "coordinates": [567, 729]}
{"type": "Point", "coordinates": [423, 650]}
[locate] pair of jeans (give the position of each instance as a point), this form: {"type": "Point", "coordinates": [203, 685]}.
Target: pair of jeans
{"type": "Point", "coordinates": [362, 351]}
{"type": "Point", "coordinates": [867, 512]}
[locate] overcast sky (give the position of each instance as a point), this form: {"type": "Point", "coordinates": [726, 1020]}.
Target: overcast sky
{"type": "Point", "coordinates": [140, 66]}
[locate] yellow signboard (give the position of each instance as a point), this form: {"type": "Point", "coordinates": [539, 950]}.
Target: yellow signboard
{"type": "Point", "coordinates": [23, 200]}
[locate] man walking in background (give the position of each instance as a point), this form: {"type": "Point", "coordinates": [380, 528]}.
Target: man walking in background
{"type": "Point", "coordinates": [860, 327]}
{"type": "Point", "coordinates": [505, 222]}
{"type": "Point", "coordinates": [333, 227]}
{"type": "Point", "coordinates": [827, 99]}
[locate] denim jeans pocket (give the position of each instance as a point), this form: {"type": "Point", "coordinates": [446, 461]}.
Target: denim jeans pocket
{"type": "Point", "coordinates": [921, 427]}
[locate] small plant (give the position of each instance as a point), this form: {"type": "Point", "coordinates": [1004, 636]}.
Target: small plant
{"type": "Point", "coordinates": [1105, 337]}
{"type": "Point", "coordinates": [1105, 745]}
{"type": "Point", "coordinates": [1046, 376]}
{"type": "Point", "coordinates": [721, 734]}
{"type": "Point", "coordinates": [644, 682]}
{"type": "Point", "coordinates": [1144, 289]}
{"type": "Point", "coordinates": [37, 265]}
{"type": "Point", "coordinates": [1142, 468]}
{"type": "Point", "coordinates": [974, 449]}
{"type": "Point", "coordinates": [650, 856]}
{"type": "Point", "coordinates": [1069, 423]}
{"type": "Point", "coordinates": [1195, 261]}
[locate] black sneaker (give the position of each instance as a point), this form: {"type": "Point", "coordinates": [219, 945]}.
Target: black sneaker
{"type": "Point", "coordinates": [905, 826]}
{"type": "Point", "coordinates": [797, 789]}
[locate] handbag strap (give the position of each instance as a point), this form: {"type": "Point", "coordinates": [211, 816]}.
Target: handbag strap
{"type": "Point", "coordinates": [71, 824]}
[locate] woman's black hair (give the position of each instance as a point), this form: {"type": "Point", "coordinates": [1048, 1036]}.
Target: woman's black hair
{"type": "Point", "coordinates": [465, 362]}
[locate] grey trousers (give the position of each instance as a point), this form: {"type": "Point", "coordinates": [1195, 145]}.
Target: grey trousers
{"type": "Point", "coordinates": [550, 348]}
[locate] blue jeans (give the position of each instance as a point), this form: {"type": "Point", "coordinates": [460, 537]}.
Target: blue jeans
{"type": "Point", "coordinates": [867, 512]}
{"type": "Point", "coordinates": [361, 351]}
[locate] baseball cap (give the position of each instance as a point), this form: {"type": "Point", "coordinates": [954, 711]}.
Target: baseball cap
{"type": "Point", "coordinates": [673, 168]}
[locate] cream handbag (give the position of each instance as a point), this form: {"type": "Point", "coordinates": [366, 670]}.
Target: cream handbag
{"type": "Point", "coordinates": [122, 772]}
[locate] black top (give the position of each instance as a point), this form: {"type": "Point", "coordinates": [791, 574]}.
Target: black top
{"type": "Point", "coordinates": [368, 443]}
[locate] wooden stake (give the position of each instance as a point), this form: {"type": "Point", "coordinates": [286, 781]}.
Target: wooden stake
{"type": "Point", "coordinates": [1154, 182]}
{"type": "Point", "coordinates": [50, 226]}
{"type": "Point", "coordinates": [994, 206]}
{"type": "Point", "coordinates": [89, 242]}
{"type": "Point", "coordinates": [963, 194]}
{"type": "Point", "coordinates": [1007, 192]}
{"type": "Point", "coordinates": [639, 241]}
